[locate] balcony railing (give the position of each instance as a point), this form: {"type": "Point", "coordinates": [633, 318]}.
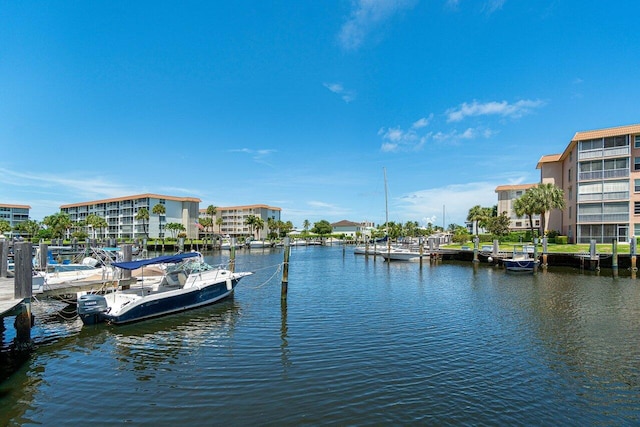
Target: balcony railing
{"type": "Point", "coordinates": [594, 197]}
{"type": "Point", "coordinates": [599, 218]}
{"type": "Point", "coordinates": [606, 152]}
{"type": "Point", "coordinates": [603, 174]}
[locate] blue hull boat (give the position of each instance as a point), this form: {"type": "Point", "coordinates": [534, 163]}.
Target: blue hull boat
{"type": "Point", "coordinates": [188, 283]}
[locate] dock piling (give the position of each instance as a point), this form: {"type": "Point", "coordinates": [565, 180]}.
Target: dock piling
{"type": "Point", "coordinates": [23, 289]}
{"type": "Point", "coordinates": [285, 269]}
{"type": "Point", "coordinates": [4, 258]}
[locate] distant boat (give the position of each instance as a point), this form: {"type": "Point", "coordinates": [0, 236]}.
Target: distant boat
{"type": "Point", "coordinates": [402, 254]}
{"type": "Point", "coordinates": [259, 244]}
{"type": "Point", "coordinates": [188, 282]}
{"type": "Point", "coordinates": [521, 260]}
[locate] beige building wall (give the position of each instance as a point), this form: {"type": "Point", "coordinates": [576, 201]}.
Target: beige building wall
{"type": "Point", "coordinates": [507, 194]}
{"type": "Point", "coordinates": [599, 172]}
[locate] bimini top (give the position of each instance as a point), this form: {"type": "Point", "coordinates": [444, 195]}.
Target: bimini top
{"type": "Point", "coordinates": [165, 259]}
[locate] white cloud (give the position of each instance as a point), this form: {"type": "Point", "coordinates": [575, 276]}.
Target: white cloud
{"type": "Point", "coordinates": [423, 122]}
{"type": "Point", "coordinates": [504, 109]}
{"type": "Point", "coordinates": [259, 156]}
{"type": "Point", "coordinates": [455, 200]}
{"type": "Point", "coordinates": [493, 5]}
{"type": "Point", "coordinates": [365, 16]}
{"type": "Point", "coordinates": [337, 88]}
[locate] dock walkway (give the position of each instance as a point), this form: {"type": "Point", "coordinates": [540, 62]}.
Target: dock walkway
{"type": "Point", "coordinates": [8, 304]}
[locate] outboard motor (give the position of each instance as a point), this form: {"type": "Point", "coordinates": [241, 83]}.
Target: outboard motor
{"type": "Point", "coordinates": [91, 307]}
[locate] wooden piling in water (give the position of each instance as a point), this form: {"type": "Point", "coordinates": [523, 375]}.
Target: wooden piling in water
{"type": "Point", "coordinates": [23, 290]}
{"type": "Point", "coordinates": [4, 258]}
{"type": "Point", "coordinates": [285, 269]}
{"type": "Point", "coordinates": [232, 255]}
{"type": "Point", "coordinates": [614, 256]}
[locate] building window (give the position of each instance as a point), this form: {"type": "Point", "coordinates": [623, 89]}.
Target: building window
{"type": "Point", "coordinates": [571, 155]}
{"type": "Point", "coordinates": [636, 163]}
{"type": "Point", "coordinates": [636, 208]}
{"type": "Point", "coordinates": [636, 142]}
{"type": "Point", "coordinates": [570, 194]}
{"type": "Point", "coordinates": [570, 212]}
{"type": "Point", "coordinates": [518, 223]}
{"type": "Point", "coordinates": [569, 175]}
{"type": "Point", "coordinates": [636, 185]}
{"type": "Point", "coordinates": [537, 223]}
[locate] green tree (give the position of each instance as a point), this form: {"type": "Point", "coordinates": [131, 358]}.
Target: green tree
{"type": "Point", "coordinates": [160, 210]}
{"type": "Point", "coordinates": [525, 205]}
{"type": "Point", "coordinates": [547, 197]}
{"type": "Point", "coordinates": [322, 227]}
{"type": "Point", "coordinates": [28, 228]}
{"type": "Point", "coordinates": [97, 223]}
{"type": "Point", "coordinates": [306, 224]}
{"type": "Point", "coordinates": [219, 222]}
{"type": "Point", "coordinates": [478, 215]}
{"type": "Point", "coordinates": [174, 228]}
{"type": "Point", "coordinates": [5, 227]}
{"type": "Point", "coordinates": [250, 221]}
{"type": "Point", "coordinates": [258, 225]}
{"type": "Point", "coordinates": [143, 215]}
{"type": "Point", "coordinates": [58, 223]}
{"type": "Point", "coordinates": [499, 225]}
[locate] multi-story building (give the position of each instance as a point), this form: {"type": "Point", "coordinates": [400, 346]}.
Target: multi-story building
{"type": "Point", "coordinates": [14, 214]}
{"type": "Point", "coordinates": [507, 194]}
{"type": "Point", "coordinates": [231, 220]}
{"type": "Point", "coordinates": [349, 228]}
{"type": "Point", "coordinates": [120, 214]}
{"type": "Point", "coordinates": [599, 172]}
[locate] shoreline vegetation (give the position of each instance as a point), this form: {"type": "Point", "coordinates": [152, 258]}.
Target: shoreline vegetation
{"type": "Point", "coordinates": [602, 248]}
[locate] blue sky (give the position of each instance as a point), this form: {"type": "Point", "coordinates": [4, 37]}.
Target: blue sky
{"type": "Point", "coordinates": [303, 104]}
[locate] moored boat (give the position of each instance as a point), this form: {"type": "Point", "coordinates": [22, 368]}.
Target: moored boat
{"type": "Point", "coordinates": [188, 282]}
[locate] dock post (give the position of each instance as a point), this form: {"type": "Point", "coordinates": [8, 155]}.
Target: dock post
{"type": "Point", "coordinates": [614, 256]}
{"type": "Point", "coordinates": [232, 256]}
{"type": "Point", "coordinates": [285, 269]}
{"type": "Point", "coordinates": [476, 242]}
{"type": "Point", "coordinates": [127, 251]}
{"type": "Point", "coordinates": [593, 256]}
{"type": "Point", "coordinates": [43, 259]}
{"type": "Point", "coordinates": [4, 258]}
{"type": "Point", "coordinates": [544, 251]}
{"type": "Point", "coordinates": [366, 246]}
{"type": "Point", "coordinates": [632, 251]}
{"type": "Point", "coordinates": [23, 289]}
{"type": "Point", "coordinates": [421, 252]}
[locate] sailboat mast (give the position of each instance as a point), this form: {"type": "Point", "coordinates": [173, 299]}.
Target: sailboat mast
{"type": "Point", "coordinates": [386, 210]}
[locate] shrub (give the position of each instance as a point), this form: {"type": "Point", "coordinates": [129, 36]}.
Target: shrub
{"type": "Point", "coordinates": [461, 238]}
{"type": "Point", "coordinates": [562, 240]}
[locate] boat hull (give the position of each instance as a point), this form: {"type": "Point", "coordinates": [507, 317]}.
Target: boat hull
{"type": "Point", "coordinates": [519, 264]}
{"type": "Point", "coordinates": [155, 306]}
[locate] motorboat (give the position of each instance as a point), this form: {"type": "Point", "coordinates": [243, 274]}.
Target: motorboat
{"type": "Point", "coordinates": [402, 254]}
{"type": "Point", "coordinates": [521, 260]}
{"type": "Point", "coordinates": [187, 282]}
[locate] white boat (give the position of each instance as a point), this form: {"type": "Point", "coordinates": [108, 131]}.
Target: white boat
{"type": "Point", "coordinates": [522, 260]}
{"type": "Point", "coordinates": [259, 244]}
{"type": "Point", "coordinates": [402, 254]}
{"type": "Point", "coordinates": [226, 244]}
{"type": "Point", "coordinates": [188, 282]}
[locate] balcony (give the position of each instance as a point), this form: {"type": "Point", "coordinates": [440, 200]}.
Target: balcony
{"type": "Point", "coordinates": [600, 218]}
{"type": "Point", "coordinates": [597, 197]}
{"type": "Point", "coordinates": [603, 174]}
{"type": "Point", "coordinates": [606, 152]}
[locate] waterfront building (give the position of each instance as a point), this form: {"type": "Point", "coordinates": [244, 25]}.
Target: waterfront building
{"type": "Point", "coordinates": [231, 220]}
{"type": "Point", "coordinates": [14, 214]}
{"type": "Point", "coordinates": [599, 171]}
{"type": "Point", "coordinates": [507, 194]}
{"type": "Point", "coordinates": [120, 214]}
{"type": "Point", "coordinates": [349, 228]}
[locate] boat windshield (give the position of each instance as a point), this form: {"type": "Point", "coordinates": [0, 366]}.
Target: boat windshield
{"type": "Point", "coordinates": [191, 266]}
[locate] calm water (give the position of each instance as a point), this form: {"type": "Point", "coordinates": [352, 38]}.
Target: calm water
{"type": "Point", "coordinates": [358, 342]}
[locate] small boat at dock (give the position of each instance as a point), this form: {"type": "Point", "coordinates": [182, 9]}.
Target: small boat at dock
{"type": "Point", "coordinates": [521, 260]}
{"type": "Point", "coordinates": [188, 282]}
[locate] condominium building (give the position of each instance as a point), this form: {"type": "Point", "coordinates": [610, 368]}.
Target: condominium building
{"type": "Point", "coordinates": [507, 194]}
{"type": "Point", "coordinates": [231, 220]}
{"type": "Point", "coordinates": [120, 214]}
{"type": "Point", "coordinates": [599, 171]}
{"type": "Point", "coordinates": [14, 214]}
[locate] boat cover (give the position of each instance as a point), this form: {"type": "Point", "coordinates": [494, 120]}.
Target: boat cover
{"type": "Point", "coordinates": [165, 259]}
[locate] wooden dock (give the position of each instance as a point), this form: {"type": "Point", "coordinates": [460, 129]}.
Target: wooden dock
{"type": "Point", "coordinates": [9, 305]}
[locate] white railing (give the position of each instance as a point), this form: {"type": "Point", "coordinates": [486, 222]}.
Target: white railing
{"type": "Point", "coordinates": [621, 217]}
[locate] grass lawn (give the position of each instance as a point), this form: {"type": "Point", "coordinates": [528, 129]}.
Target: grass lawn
{"type": "Point", "coordinates": [554, 248]}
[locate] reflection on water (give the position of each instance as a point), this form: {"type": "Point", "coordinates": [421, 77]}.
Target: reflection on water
{"type": "Point", "coordinates": [356, 341]}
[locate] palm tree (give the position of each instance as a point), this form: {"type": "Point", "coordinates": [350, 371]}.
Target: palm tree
{"type": "Point", "coordinates": [306, 224]}
{"type": "Point", "coordinates": [547, 197]}
{"type": "Point", "coordinates": [219, 222]}
{"type": "Point", "coordinates": [259, 225]}
{"type": "Point", "coordinates": [476, 214]}
{"type": "Point", "coordinates": [525, 205]}
{"type": "Point", "coordinates": [251, 222]}
{"type": "Point", "coordinates": [143, 215]}
{"type": "Point", "coordinates": [159, 209]}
